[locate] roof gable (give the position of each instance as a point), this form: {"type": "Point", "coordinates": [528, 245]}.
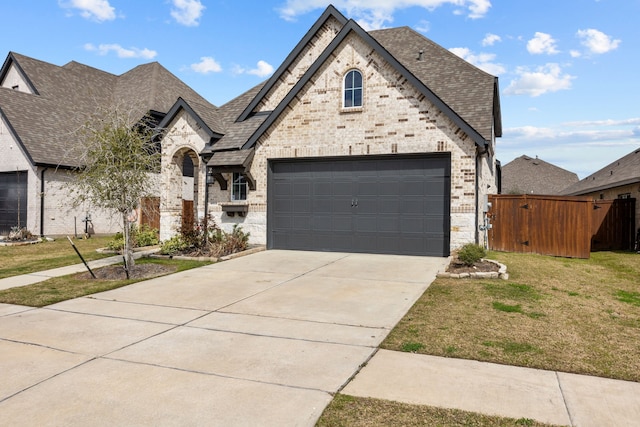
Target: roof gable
{"type": "Point", "coordinates": [181, 104]}
{"type": "Point", "coordinates": [329, 13]}
{"type": "Point", "coordinates": [11, 63]}
{"type": "Point", "coordinates": [350, 27]}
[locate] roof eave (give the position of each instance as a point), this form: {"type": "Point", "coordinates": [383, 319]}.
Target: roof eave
{"type": "Point", "coordinates": [605, 186]}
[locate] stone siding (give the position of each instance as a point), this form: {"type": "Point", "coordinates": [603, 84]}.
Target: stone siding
{"type": "Point", "coordinates": [184, 137]}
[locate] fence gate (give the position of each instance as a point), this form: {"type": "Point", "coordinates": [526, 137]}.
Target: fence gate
{"type": "Point", "coordinates": [613, 225]}
{"type": "Point", "coordinates": [546, 225]}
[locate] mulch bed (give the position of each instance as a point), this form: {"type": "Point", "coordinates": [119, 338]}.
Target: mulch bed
{"type": "Point", "coordinates": [139, 271]}
{"type": "Point", "coordinates": [458, 267]}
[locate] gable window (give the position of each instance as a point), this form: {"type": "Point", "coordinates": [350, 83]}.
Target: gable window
{"type": "Point", "coordinates": [353, 89]}
{"type": "Point", "coordinates": [239, 187]}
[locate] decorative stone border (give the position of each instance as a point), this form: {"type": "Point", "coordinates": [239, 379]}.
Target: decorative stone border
{"type": "Point", "coordinates": [500, 274]}
{"type": "Point", "coordinates": [18, 242]}
{"type": "Point", "coordinates": [249, 251]}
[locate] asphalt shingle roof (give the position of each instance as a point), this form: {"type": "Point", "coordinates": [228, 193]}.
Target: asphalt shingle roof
{"type": "Point", "coordinates": [528, 175]}
{"type": "Point", "coordinates": [469, 91]}
{"type": "Point", "coordinates": [623, 171]}
{"type": "Point", "coordinates": [66, 96]}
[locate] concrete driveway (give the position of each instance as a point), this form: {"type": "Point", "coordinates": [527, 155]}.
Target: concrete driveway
{"type": "Point", "coordinates": [259, 340]}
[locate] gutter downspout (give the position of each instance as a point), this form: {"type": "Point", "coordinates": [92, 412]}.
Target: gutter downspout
{"type": "Point", "coordinates": [479, 155]}
{"type": "Point", "coordinates": [42, 202]}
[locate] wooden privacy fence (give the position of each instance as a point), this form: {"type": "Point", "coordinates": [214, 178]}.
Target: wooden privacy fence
{"type": "Point", "coordinates": [560, 225]}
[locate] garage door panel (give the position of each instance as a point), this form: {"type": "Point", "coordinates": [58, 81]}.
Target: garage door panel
{"type": "Point", "coordinates": [13, 200]}
{"type": "Point", "coordinates": [342, 223]}
{"type": "Point", "coordinates": [395, 204]}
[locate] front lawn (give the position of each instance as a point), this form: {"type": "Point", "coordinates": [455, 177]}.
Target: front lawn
{"type": "Point", "coordinates": [348, 411]}
{"type": "Point", "coordinates": [569, 315]}
{"type": "Point", "coordinates": [59, 289]}
{"type": "Point", "coordinates": [24, 259]}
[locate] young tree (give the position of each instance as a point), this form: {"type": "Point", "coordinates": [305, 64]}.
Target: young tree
{"type": "Point", "coordinates": [120, 157]}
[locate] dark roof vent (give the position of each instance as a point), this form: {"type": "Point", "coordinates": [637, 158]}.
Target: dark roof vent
{"type": "Point", "coordinates": [420, 55]}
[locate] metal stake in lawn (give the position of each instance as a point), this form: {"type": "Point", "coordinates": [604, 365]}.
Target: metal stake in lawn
{"type": "Point", "coordinates": [83, 261]}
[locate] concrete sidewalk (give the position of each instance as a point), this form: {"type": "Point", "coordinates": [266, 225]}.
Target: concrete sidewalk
{"type": "Point", "coordinates": [492, 389]}
{"type": "Point", "coordinates": [41, 276]}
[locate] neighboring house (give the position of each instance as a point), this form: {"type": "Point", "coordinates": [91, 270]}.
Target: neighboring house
{"type": "Point", "coordinates": [528, 175]}
{"type": "Point", "coordinates": [41, 107]}
{"type": "Point", "coordinates": [618, 180]}
{"type": "Point", "coordinates": [377, 141]}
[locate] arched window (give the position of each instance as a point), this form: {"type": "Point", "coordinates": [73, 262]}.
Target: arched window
{"type": "Point", "coordinates": [353, 89]}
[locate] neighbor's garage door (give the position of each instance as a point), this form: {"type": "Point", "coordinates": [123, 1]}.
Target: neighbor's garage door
{"type": "Point", "coordinates": [13, 200]}
{"type": "Point", "coordinates": [388, 205]}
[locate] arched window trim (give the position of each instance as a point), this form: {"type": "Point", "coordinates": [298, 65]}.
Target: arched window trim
{"type": "Point", "coordinates": [352, 94]}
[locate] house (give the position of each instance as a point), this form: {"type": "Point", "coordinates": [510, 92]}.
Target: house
{"type": "Point", "coordinates": [41, 106]}
{"type": "Point", "coordinates": [378, 141]}
{"type": "Point", "coordinates": [528, 175]}
{"type": "Point", "coordinates": [618, 180]}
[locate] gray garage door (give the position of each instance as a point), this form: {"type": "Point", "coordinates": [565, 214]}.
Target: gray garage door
{"type": "Point", "coordinates": [388, 205]}
{"type": "Point", "coordinates": [13, 200]}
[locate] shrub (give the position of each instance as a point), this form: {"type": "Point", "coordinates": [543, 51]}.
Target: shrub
{"type": "Point", "coordinates": [143, 236]}
{"type": "Point", "coordinates": [471, 253]}
{"type": "Point", "coordinates": [174, 245]}
{"type": "Point", "coordinates": [18, 233]}
{"type": "Point", "coordinates": [146, 236]}
{"type": "Point", "coordinates": [206, 239]}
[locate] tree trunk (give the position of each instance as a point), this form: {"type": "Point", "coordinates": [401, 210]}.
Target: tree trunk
{"type": "Point", "coordinates": [127, 251]}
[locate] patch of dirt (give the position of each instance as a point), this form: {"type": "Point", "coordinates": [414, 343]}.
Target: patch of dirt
{"type": "Point", "coordinates": [457, 267]}
{"type": "Point", "coordinates": [139, 271]}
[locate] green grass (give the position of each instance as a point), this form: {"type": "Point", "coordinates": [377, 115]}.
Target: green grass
{"type": "Point", "coordinates": [349, 411]}
{"type": "Point", "coordinates": [17, 260]}
{"type": "Point", "coordinates": [569, 315]}
{"type": "Point", "coordinates": [63, 288]}
{"type": "Point", "coordinates": [632, 298]}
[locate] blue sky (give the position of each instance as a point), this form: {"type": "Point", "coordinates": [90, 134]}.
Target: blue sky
{"type": "Point", "coordinates": [567, 68]}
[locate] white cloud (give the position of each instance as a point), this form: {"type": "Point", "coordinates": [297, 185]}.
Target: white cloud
{"type": "Point", "coordinates": [581, 147]}
{"type": "Point", "coordinates": [542, 43]}
{"type": "Point", "coordinates": [423, 26]}
{"type": "Point", "coordinates": [597, 41]}
{"type": "Point", "coordinates": [547, 78]}
{"type": "Point", "coordinates": [491, 39]}
{"type": "Point", "coordinates": [263, 69]}
{"type": "Point", "coordinates": [607, 122]}
{"type": "Point", "coordinates": [575, 54]}
{"type": "Point", "coordinates": [97, 10]}
{"type": "Point", "coordinates": [484, 61]}
{"type": "Point", "coordinates": [375, 14]}
{"type": "Point", "coordinates": [206, 65]}
{"type": "Point", "coordinates": [134, 52]}
{"type": "Point", "coordinates": [187, 12]}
